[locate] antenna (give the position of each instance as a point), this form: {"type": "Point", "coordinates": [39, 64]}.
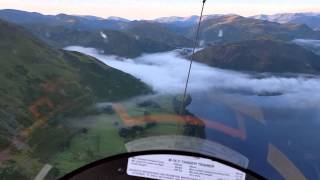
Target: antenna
{"type": "Point", "coordinates": [195, 45]}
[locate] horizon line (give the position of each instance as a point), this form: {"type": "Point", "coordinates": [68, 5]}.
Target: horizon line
{"type": "Point", "coordinates": [139, 19]}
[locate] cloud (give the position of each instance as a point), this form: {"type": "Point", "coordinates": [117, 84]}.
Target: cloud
{"type": "Point", "coordinates": [167, 73]}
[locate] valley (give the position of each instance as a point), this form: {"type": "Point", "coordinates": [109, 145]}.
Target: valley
{"type": "Point", "coordinates": [77, 89]}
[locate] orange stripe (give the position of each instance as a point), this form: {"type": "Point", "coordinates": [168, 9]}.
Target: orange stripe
{"type": "Point", "coordinates": [131, 121]}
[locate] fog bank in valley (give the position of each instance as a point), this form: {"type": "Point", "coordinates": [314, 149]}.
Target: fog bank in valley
{"type": "Point", "coordinates": [167, 73]}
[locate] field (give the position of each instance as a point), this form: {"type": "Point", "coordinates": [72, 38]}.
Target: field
{"type": "Point", "coordinates": [101, 137]}
{"type": "Point", "coordinates": [69, 143]}
{"type": "Point", "coordinates": [100, 140]}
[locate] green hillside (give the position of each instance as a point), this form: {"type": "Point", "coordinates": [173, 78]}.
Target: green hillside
{"type": "Point", "coordinates": [33, 75]}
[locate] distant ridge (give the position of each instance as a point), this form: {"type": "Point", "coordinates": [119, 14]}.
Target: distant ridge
{"type": "Point", "coordinates": [310, 19]}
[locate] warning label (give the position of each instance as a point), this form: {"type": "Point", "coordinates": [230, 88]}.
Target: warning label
{"type": "Point", "coordinates": [177, 167]}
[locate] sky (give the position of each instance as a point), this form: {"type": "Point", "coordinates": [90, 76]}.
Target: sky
{"type": "Point", "coordinates": [150, 9]}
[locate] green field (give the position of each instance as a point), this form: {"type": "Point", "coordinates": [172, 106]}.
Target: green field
{"type": "Point", "coordinates": [70, 143]}
{"type": "Point", "coordinates": [101, 140]}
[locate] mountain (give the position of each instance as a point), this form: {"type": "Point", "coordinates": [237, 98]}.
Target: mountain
{"type": "Point", "coordinates": [181, 25]}
{"type": "Point", "coordinates": [119, 19]}
{"type": "Point", "coordinates": [312, 45]}
{"type": "Point", "coordinates": [37, 80]}
{"type": "Point", "coordinates": [310, 19]}
{"type": "Point", "coordinates": [93, 18]}
{"type": "Point", "coordinates": [234, 28]}
{"type": "Point", "coordinates": [261, 56]}
{"type": "Point", "coordinates": [175, 19]}
{"type": "Point", "coordinates": [115, 36]}
{"type": "Point", "coordinates": [107, 41]}
{"type": "Point", "coordinates": [184, 21]}
{"type": "Point", "coordinates": [118, 36]}
{"type": "Point", "coordinates": [24, 18]}
{"type": "Point", "coordinates": [157, 32]}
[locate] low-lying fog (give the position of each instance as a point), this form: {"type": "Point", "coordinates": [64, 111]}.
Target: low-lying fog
{"type": "Point", "coordinates": [167, 72]}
